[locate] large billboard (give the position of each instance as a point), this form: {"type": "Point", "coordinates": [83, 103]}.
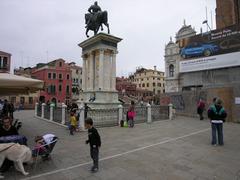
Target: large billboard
{"type": "Point", "coordinates": [216, 49]}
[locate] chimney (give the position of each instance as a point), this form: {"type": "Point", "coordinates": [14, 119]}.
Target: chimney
{"type": "Point", "coordinates": [155, 68]}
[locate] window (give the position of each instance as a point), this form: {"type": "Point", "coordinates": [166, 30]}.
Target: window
{"type": "Point", "coordinates": [142, 79]}
{"type": "Point", "coordinates": [13, 99]}
{"type": "Point", "coordinates": [154, 84]}
{"type": "Point", "coordinates": [60, 64]}
{"type": "Point", "coordinates": [54, 75]}
{"type": "Point", "coordinates": [68, 76]}
{"type": "Point", "coordinates": [60, 76]}
{"type": "Point", "coordinates": [153, 78]}
{"type": "Point", "coordinates": [22, 100]}
{"type": "Point", "coordinates": [4, 62]}
{"type": "Point", "coordinates": [49, 75]}
{"type": "Point", "coordinates": [30, 100]}
{"type": "Point", "coordinates": [171, 70]}
{"type": "Point", "coordinates": [147, 84]}
{"type": "Point", "coordinates": [159, 92]}
{"type": "Point", "coordinates": [60, 88]}
{"type": "Point", "coordinates": [76, 80]}
{"type": "Point", "coordinates": [158, 79]}
{"type": "Point", "coordinates": [67, 89]}
{"type": "Point", "coordinates": [51, 89]}
{"type": "Point", "coordinates": [139, 85]}
{"type": "Point", "coordinates": [143, 85]}
{"type": "Point", "coordinates": [76, 71]}
{"type": "Point", "coordinates": [159, 85]}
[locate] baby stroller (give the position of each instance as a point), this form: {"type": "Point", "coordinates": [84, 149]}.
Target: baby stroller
{"type": "Point", "coordinates": [44, 151]}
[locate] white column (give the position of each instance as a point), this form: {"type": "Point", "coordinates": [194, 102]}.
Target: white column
{"type": "Point", "coordinates": [120, 114]}
{"type": "Point", "coordinates": [43, 107]}
{"type": "Point", "coordinates": [170, 111]}
{"type": "Point", "coordinates": [149, 113]}
{"type": "Point", "coordinates": [101, 69]}
{"type": "Point", "coordinates": [36, 108]}
{"type": "Point", "coordinates": [63, 113]}
{"type": "Point", "coordinates": [81, 124]}
{"type": "Point", "coordinates": [51, 112]}
{"type": "Point", "coordinates": [90, 66]}
{"type": "Point", "coordinates": [84, 74]}
{"type": "Point", "coordinates": [113, 78]}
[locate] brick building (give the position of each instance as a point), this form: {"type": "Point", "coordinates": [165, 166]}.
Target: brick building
{"type": "Point", "coordinates": [123, 86]}
{"type": "Point", "coordinates": [5, 62]}
{"type": "Point", "coordinates": [227, 13]}
{"type": "Point", "coordinates": [58, 81]}
{"type": "Point", "coordinates": [128, 91]}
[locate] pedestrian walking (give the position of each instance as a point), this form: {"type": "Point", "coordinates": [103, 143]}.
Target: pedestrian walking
{"type": "Point", "coordinates": [217, 115]}
{"type": "Point", "coordinates": [131, 114]}
{"type": "Point", "coordinates": [73, 123]}
{"type": "Point", "coordinates": [94, 140]}
{"type": "Point", "coordinates": [201, 108]}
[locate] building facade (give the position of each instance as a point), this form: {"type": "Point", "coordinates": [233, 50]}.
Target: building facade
{"type": "Point", "coordinates": [149, 79]}
{"type": "Point", "coordinates": [172, 57]}
{"type": "Point", "coordinates": [76, 72]}
{"type": "Point", "coordinates": [227, 13]}
{"type": "Point", "coordinates": [5, 62]}
{"type": "Point", "coordinates": [58, 81]}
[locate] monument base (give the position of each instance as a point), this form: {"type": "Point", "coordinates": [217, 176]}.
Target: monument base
{"type": "Point", "coordinates": [99, 71]}
{"type": "Point", "coordinates": [101, 99]}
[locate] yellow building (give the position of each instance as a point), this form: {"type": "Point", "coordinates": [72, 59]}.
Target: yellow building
{"type": "Point", "coordinates": [149, 79]}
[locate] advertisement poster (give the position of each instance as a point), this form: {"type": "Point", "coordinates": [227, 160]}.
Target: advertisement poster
{"type": "Point", "coordinates": [213, 43]}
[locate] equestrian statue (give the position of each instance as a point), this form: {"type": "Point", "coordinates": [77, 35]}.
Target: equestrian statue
{"type": "Point", "coordinates": [95, 18]}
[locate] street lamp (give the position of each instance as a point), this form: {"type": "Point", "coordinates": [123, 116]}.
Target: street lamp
{"type": "Point", "coordinates": [206, 22]}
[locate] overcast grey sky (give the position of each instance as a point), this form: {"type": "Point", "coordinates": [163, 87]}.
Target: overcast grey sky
{"type": "Point", "coordinates": [35, 31]}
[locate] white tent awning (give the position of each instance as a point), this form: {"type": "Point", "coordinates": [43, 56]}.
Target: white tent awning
{"type": "Point", "coordinates": [13, 84]}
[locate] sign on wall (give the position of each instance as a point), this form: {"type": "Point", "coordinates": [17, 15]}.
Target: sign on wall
{"type": "Point", "coordinates": [216, 42]}
{"type": "Point", "coordinates": [212, 62]}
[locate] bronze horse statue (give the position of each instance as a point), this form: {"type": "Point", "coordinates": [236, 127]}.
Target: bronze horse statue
{"type": "Point", "coordinates": [95, 21]}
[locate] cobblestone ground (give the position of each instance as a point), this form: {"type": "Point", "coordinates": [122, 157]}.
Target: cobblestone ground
{"type": "Point", "coordinates": [166, 150]}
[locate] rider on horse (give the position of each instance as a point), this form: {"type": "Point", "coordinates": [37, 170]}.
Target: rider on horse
{"type": "Point", "coordinates": [94, 9]}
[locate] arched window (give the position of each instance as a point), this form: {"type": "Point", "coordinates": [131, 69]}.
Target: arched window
{"type": "Point", "coordinates": [171, 70]}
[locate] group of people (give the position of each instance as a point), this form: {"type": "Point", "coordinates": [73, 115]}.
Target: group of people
{"type": "Point", "coordinates": [217, 115]}
{"type": "Point", "coordinates": [6, 108]}
{"type": "Point", "coordinates": [9, 134]}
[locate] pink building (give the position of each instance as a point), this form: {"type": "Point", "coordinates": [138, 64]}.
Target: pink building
{"type": "Point", "coordinates": [58, 81]}
{"type": "Point", "coordinates": [5, 62]}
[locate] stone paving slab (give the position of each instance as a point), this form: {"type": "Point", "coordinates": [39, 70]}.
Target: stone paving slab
{"type": "Point", "coordinates": [165, 150]}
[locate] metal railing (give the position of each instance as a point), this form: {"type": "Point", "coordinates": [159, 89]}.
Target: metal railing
{"type": "Point", "coordinates": [159, 112]}
{"type": "Point", "coordinates": [104, 117]}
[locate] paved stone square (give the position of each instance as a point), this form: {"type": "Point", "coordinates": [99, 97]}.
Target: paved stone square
{"type": "Point", "coordinates": [166, 150]}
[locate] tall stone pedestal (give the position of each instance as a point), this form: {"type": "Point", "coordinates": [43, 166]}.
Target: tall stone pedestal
{"type": "Point", "coordinates": [99, 71]}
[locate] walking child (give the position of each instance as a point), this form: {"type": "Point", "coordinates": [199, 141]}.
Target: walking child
{"type": "Point", "coordinates": [94, 140]}
{"type": "Point", "coordinates": [73, 123]}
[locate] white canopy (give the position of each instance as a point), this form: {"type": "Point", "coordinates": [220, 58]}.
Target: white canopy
{"type": "Point", "coordinates": [13, 84]}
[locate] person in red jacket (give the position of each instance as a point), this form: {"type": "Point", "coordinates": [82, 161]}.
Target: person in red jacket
{"type": "Point", "coordinates": [201, 108]}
